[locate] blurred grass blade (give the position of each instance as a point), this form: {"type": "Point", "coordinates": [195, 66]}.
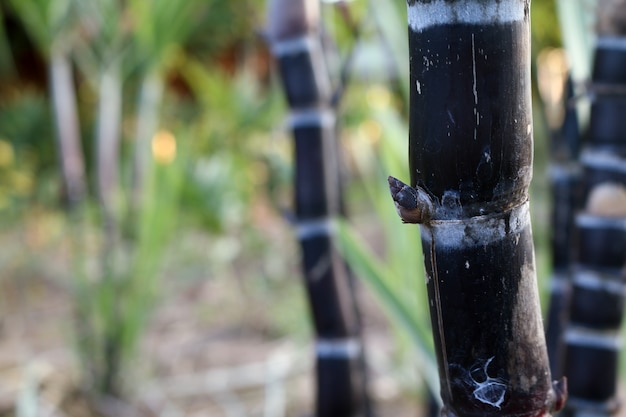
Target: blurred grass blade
{"type": "Point", "coordinates": [374, 274]}
{"type": "Point", "coordinates": [63, 95]}
{"type": "Point", "coordinates": [150, 96]}
{"type": "Point", "coordinates": [108, 136]}
{"type": "Point", "coordinates": [388, 18]}
{"type": "Point", "coordinates": [577, 19]}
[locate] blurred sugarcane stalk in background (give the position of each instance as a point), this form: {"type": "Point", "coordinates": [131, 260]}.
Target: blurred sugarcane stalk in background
{"type": "Point", "coordinates": [69, 147]}
{"type": "Point", "coordinates": [565, 176]}
{"type": "Point", "coordinates": [107, 166]}
{"type": "Point", "coordinates": [150, 96]}
{"type": "Point", "coordinates": [593, 338]}
{"type": "Point", "coordinates": [112, 302]}
{"type": "Point", "coordinates": [102, 58]}
{"type": "Point", "coordinates": [108, 136]}
{"type": "Point", "coordinates": [557, 92]}
{"type": "Point", "coordinates": [162, 25]}
{"type": "Point", "coordinates": [294, 35]}
{"type": "Point", "coordinates": [51, 27]}
{"type": "Point", "coordinates": [470, 156]}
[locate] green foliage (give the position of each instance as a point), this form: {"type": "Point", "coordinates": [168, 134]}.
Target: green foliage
{"type": "Point", "coordinates": [46, 21]}
{"type": "Point", "coordinates": [160, 25]}
{"type": "Point", "coordinates": [544, 30]}
{"type": "Point", "coordinates": [395, 277]}
{"type": "Point", "coordinates": [117, 259]}
{"type": "Point", "coordinates": [107, 33]}
{"type": "Point", "coordinates": [230, 24]}
{"type": "Point", "coordinates": [7, 66]}
{"type": "Point", "coordinates": [25, 151]}
{"type": "Point", "coordinates": [228, 137]}
{"type": "Point", "coordinates": [114, 304]}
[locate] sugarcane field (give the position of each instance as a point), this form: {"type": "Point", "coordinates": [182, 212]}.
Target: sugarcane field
{"type": "Point", "coordinates": [312, 208]}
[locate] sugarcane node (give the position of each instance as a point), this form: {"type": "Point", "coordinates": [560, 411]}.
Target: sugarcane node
{"type": "Point", "coordinates": [413, 205]}
{"type": "Point", "coordinates": [560, 394]}
{"type": "Point", "coordinates": [607, 200]}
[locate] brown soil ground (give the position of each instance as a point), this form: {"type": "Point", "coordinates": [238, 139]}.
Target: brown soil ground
{"type": "Point", "coordinates": [213, 347]}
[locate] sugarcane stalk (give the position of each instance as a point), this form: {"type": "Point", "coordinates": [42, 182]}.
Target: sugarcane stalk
{"type": "Point", "coordinates": [470, 157]}
{"type": "Point", "coordinates": [70, 154]}
{"type": "Point", "coordinates": [150, 95]}
{"type": "Point", "coordinates": [593, 338]}
{"type": "Point", "coordinates": [294, 37]}
{"type": "Point", "coordinates": [565, 176]}
{"type": "Point", "coordinates": [108, 136]}
{"type": "Point", "coordinates": [108, 147]}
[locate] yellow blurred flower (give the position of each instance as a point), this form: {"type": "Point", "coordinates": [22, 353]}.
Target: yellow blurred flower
{"type": "Point", "coordinates": [164, 147]}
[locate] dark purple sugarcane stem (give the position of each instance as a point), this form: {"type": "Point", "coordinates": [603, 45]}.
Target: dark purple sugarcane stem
{"type": "Point", "coordinates": [565, 177]}
{"type": "Point", "coordinates": [341, 389]}
{"type": "Point", "coordinates": [593, 337]}
{"type": "Point", "coordinates": [470, 152]}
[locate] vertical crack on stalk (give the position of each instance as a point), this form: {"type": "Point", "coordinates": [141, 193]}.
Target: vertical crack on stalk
{"type": "Point", "coordinates": [442, 339]}
{"type": "Point", "coordinates": [474, 89]}
{"type": "Point", "coordinates": [321, 268]}
{"type": "Point", "coordinates": [474, 71]}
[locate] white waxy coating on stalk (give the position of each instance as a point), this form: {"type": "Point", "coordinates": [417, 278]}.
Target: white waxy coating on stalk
{"type": "Point", "coordinates": [337, 348]}
{"type": "Point", "coordinates": [293, 46]}
{"type": "Point", "coordinates": [604, 160]}
{"type": "Point", "coordinates": [577, 336]}
{"type": "Point", "coordinates": [476, 231]}
{"type": "Point", "coordinates": [611, 42]}
{"type": "Point", "coordinates": [592, 280]}
{"type": "Point", "coordinates": [439, 12]}
{"type": "Point", "coordinates": [591, 221]}
{"type": "Point", "coordinates": [308, 229]}
{"type": "Point", "coordinates": [311, 117]}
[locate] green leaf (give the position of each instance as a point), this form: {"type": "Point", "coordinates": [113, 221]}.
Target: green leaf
{"type": "Point", "coordinates": [377, 278]}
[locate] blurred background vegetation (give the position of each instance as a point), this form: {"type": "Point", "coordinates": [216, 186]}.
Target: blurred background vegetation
{"type": "Point", "coordinates": [203, 274]}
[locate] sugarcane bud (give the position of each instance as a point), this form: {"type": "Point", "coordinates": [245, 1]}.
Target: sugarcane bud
{"type": "Point", "coordinates": [413, 205]}
{"type": "Point", "coordinates": [607, 200]}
